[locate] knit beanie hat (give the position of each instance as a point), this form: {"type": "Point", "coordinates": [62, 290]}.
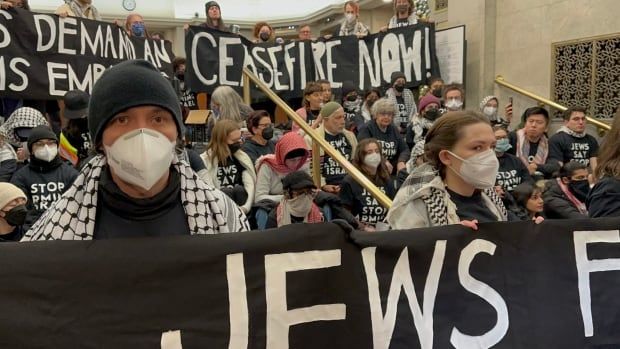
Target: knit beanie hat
{"type": "Point", "coordinates": [8, 193]}
{"type": "Point", "coordinates": [329, 108]}
{"type": "Point", "coordinates": [486, 100]}
{"type": "Point", "coordinates": [38, 133]}
{"type": "Point", "coordinates": [428, 99]}
{"type": "Point", "coordinates": [76, 104]}
{"type": "Point", "coordinates": [397, 75]}
{"type": "Point", "coordinates": [208, 5]}
{"type": "Point", "coordinates": [126, 85]}
{"type": "Point", "coordinates": [348, 87]}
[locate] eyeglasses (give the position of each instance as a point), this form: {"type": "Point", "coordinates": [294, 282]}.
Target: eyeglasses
{"type": "Point", "coordinates": [385, 115]}
{"type": "Point", "coordinates": [264, 125]}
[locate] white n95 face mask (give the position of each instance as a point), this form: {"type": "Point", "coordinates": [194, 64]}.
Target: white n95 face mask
{"type": "Point", "coordinates": [141, 157]}
{"type": "Point", "coordinates": [480, 170]}
{"type": "Point", "coordinates": [46, 153]}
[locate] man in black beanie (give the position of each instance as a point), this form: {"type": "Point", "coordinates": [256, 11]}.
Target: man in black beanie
{"type": "Point", "coordinates": [136, 186]}
{"type": "Point", "coordinates": [403, 100]}
{"type": "Point", "coordinates": [46, 177]}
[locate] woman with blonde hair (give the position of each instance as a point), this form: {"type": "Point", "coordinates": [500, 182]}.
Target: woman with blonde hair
{"type": "Point", "coordinates": [229, 168]}
{"type": "Point", "coordinates": [226, 104]}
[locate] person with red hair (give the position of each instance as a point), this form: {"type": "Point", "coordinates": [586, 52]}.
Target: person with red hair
{"type": "Point", "coordinates": [352, 24]}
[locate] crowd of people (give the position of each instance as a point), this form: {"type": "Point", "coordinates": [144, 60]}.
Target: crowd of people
{"type": "Point", "coordinates": [122, 163]}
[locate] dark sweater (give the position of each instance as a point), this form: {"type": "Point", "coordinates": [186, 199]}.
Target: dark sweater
{"type": "Point", "coordinates": [557, 204]}
{"type": "Point", "coordinates": [564, 148]}
{"type": "Point", "coordinates": [120, 216]}
{"type": "Point", "coordinates": [547, 169]}
{"type": "Point", "coordinates": [394, 147]}
{"type": "Point", "coordinates": [255, 150]}
{"type": "Point", "coordinates": [512, 172]}
{"type": "Point", "coordinates": [604, 198]}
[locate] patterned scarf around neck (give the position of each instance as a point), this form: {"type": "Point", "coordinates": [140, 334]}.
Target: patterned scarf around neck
{"type": "Point", "coordinates": [581, 207]}
{"type": "Point", "coordinates": [80, 11]}
{"type": "Point", "coordinates": [73, 216]}
{"type": "Point", "coordinates": [571, 132]}
{"type": "Point", "coordinates": [523, 149]}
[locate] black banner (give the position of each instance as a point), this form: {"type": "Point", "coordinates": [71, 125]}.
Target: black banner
{"type": "Point", "coordinates": [43, 56]}
{"type": "Point", "coordinates": [518, 285]}
{"type": "Point", "coordinates": [217, 58]}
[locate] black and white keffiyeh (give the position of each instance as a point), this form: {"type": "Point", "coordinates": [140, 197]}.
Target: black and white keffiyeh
{"type": "Point", "coordinates": [355, 28]}
{"type": "Point", "coordinates": [571, 132]}
{"type": "Point", "coordinates": [24, 117]}
{"type": "Point", "coordinates": [80, 11]}
{"type": "Point", "coordinates": [72, 217]}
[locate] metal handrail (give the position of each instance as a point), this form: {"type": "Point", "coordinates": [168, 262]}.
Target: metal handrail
{"type": "Point", "coordinates": [500, 81]}
{"type": "Point", "coordinates": [359, 177]}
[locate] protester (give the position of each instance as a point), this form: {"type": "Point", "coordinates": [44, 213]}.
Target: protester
{"type": "Point", "coordinates": [186, 97]}
{"type": "Point", "coordinates": [404, 14]}
{"type": "Point", "coordinates": [23, 4]}
{"type": "Point", "coordinates": [367, 158]}
{"type": "Point", "coordinates": [8, 158]}
{"type": "Point", "coordinates": [403, 101]}
{"type": "Point", "coordinates": [230, 169]}
{"type": "Point", "coordinates": [604, 198]}
{"type": "Point", "coordinates": [78, 8]}
{"type": "Point", "coordinates": [313, 100]}
{"type": "Point", "coordinates": [261, 143]}
{"type": "Point", "coordinates": [12, 212]}
{"type": "Point", "coordinates": [134, 25]}
{"type": "Point", "coordinates": [571, 142]}
{"type": "Point", "coordinates": [136, 186]}
{"type": "Point", "coordinates": [46, 177]}
{"type": "Point", "coordinates": [565, 196]}
{"type": "Point", "coordinates": [305, 32]}
{"type": "Point", "coordinates": [326, 88]}
{"type": "Point", "coordinates": [370, 97]}
{"type": "Point", "coordinates": [297, 205]}
{"type": "Point", "coordinates": [530, 144]}
{"type": "Point", "coordinates": [422, 122]}
{"type": "Point", "coordinates": [263, 32]}
{"type": "Point", "coordinates": [17, 128]}
{"type": "Point", "coordinates": [381, 128]}
{"type": "Point", "coordinates": [214, 16]}
{"type": "Point", "coordinates": [488, 107]}
{"type": "Point", "coordinates": [352, 105]}
{"type": "Point", "coordinates": [226, 104]}
{"type": "Point", "coordinates": [435, 84]}
{"type": "Point", "coordinates": [453, 97]}
{"type": "Point", "coordinates": [512, 171]}
{"type": "Point", "coordinates": [529, 202]}
{"type": "Point", "coordinates": [333, 131]}
{"type": "Point", "coordinates": [456, 184]}
{"type": "Point", "coordinates": [75, 142]}
{"type": "Point", "coordinates": [351, 24]}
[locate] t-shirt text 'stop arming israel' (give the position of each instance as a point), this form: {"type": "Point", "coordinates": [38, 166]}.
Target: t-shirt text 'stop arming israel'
{"type": "Point", "coordinates": [214, 58]}
{"type": "Point", "coordinates": [44, 56]}
{"type": "Point", "coordinates": [509, 285]}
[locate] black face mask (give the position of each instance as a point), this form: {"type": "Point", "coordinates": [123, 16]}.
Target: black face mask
{"type": "Point", "coordinates": [16, 216]}
{"type": "Point", "coordinates": [431, 114]}
{"type": "Point", "coordinates": [268, 133]}
{"type": "Point", "coordinates": [180, 76]}
{"type": "Point", "coordinates": [580, 189]}
{"type": "Point", "coordinates": [370, 102]}
{"type": "Point", "coordinates": [399, 88]}
{"type": "Point", "coordinates": [264, 36]}
{"type": "Point", "coordinates": [82, 124]}
{"type": "Point", "coordinates": [437, 92]}
{"type": "Point", "coordinates": [352, 98]}
{"type": "Point", "coordinates": [234, 147]}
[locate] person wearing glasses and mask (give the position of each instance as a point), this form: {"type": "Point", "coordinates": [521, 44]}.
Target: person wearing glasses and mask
{"type": "Point", "coordinates": [261, 143]}
{"type": "Point", "coordinates": [13, 212]}
{"type": "Point", "coordinates": [297, 205]}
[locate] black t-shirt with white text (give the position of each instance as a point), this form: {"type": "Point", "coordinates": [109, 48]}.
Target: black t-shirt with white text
{"type": "Point", "coordinates": [565, 148]}
{"type": "Point", "coordinates": [330, 169]}
{"type": "Point", "coordinates": [474, 207]}
{"type": "Point", "coordinates": [311, 115]}
{"type": "Point", "coordinates": [511, 172]}
{"type": "Point", "coordinates": [229, 175]}
{"type": "Point", "coordinates": [362, 204]}
{"type": "Point", "coordinates": [402, 118]}
{"type": "Point", "coordinates": [402, 22]}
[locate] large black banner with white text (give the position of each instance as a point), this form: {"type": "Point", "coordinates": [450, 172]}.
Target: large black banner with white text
{"type": "Point", "coordinates": [43, 56]}
{"type": "Point", "coordinates": [217, 58]}
{"type": "Point", "coordinates": [508, 285]}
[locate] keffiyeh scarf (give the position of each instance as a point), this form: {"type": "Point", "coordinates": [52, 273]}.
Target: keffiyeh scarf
{"type": "Point", "coordinates": [523, 149]}
{"type": "Point", "coordinates": [81, 12]}
{"type": "Point", "coordinates": [571, 132]}
{"type": "Point", "coordinates": [73, 216]}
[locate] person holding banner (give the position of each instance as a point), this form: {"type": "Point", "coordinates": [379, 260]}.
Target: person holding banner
{"type": "Point", "coordinates": [263, 32]}
{"type": "Point", "coordinates": [78, 8]}
{"type": "Point", "coordinates": [134, 25]}
{"type": "Point", "coordinates": [214, 16]}
{"type": "Point", "coordinates": [136, 186]}
{"type": "Point", "coordinates": [351, 24]}
{"type": "Point", "coordinates": [404, 14]}
{"type": "Point", "coordinates": [23, 4]}
{"type": "Point", "coordinates": [455, 185]}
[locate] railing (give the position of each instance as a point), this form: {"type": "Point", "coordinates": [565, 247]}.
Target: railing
{"type": "Point", "coordinates": [500, 81]}
{"type": "Point", "coordinates": [317, 143]}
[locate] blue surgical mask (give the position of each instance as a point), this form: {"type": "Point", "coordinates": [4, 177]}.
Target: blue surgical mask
{"type": "Point", "coordinates": [502, 145]}
{"type": "Point", "coordinates": [137, 29]}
